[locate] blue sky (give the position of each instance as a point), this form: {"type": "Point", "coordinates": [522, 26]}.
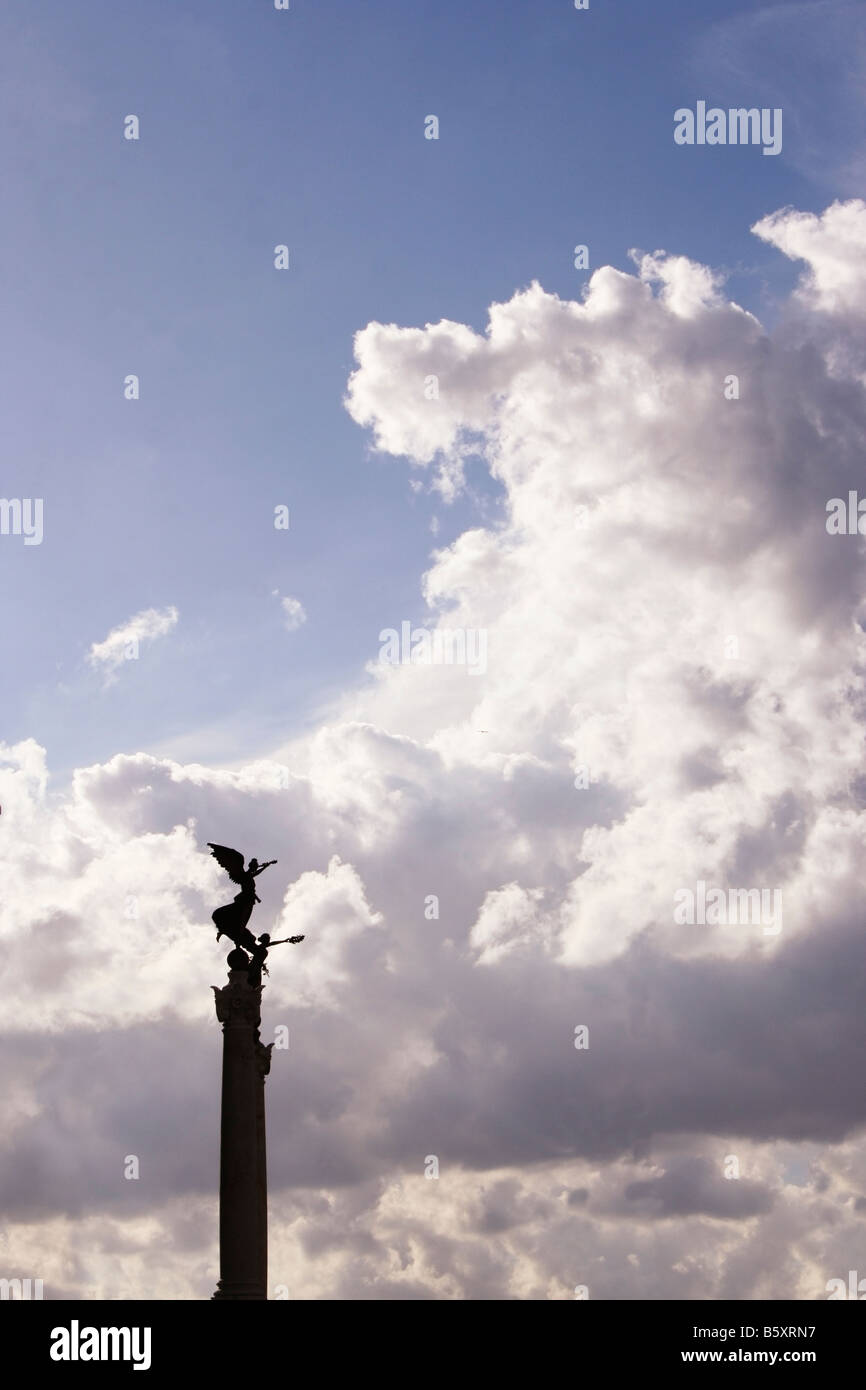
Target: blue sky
{"type": "Point", "coordinates": [156, 257]}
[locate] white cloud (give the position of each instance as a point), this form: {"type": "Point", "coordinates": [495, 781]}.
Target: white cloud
{"type": "Point", "coordinates": [508, 918]}
{"type": "Point", "coordinates": [293, 613]}
{"type": "Point", "coordinates": [832, 245]}
{"type": "Point", "coordinates": [123, 642]}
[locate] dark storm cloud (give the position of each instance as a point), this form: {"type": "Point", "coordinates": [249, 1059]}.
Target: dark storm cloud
{"type": "Point", "coordinates": [696, 1186]}
{"type": "Point", "coordinates": [762, 1049]}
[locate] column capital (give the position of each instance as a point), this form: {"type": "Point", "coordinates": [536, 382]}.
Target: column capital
{"type": "Point", "coordinates": [238, 1004]}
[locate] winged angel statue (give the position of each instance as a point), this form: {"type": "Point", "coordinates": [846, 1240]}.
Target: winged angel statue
{"type": "Point", "coordinates": [231, 920]}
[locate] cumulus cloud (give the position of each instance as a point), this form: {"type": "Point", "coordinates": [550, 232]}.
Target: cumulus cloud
{"type": "Point", "coordinates": [831, 245]}
{"type": "Point", "coordinates": [123, 642]}
{"type": "Point", "coordinates": [673, 696]}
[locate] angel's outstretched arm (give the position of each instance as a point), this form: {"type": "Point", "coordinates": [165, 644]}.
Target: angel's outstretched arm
{"type": "Point", "coordinates": [262, 867]}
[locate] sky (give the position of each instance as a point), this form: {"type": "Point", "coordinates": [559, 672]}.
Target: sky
{"type": "Point", "coordinates": [601, 481]}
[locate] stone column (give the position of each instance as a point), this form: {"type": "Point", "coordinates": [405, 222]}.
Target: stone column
{"type": "Point", "coordinates": [243, 1181]}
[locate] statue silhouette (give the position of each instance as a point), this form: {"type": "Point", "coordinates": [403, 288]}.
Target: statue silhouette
{"type": "Point", "coordinates": [231, 920]}
{"type": "Point", "coordinates": [260, 952]}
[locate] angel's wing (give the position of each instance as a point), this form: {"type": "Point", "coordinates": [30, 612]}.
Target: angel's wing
{"type": "Point", "coordinates": [229, 859]}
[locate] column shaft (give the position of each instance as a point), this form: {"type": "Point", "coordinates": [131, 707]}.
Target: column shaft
{"type": "Point", "coordinates": [243, 1183]}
